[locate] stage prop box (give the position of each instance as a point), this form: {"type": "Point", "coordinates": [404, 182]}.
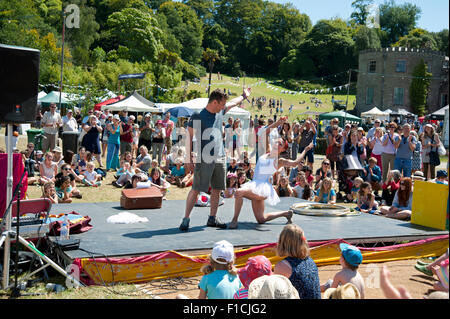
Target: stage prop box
{"type": "Point", "coordinates": [430, 205]}
{"type": "Point", "coordinates": [141, 198]}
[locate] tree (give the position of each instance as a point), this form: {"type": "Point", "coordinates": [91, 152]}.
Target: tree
{"type": "Point", "coordinates": [138, 31]}
{"type": "Point", "coordinates": [330, 46]}
{"type": "Point", "coordinates": [398, 20]}
{"type": "Point", "coordinates": [210, 56]}
{"type": "Point", "coordinates": [419, 88]}
{"type": "Point", "coordinates": [417, 38]}
{"type": "Point", "coordinates": [361, 13]}
{"type": "Point", "coordinates": [366, 38]}
{"type": "Point", "coordinates": [441, 39]}
{"type": "Point", "coordinates": [182, 22]}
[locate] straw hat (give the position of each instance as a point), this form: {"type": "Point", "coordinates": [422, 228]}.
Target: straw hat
{"type": "Point", "coordinates": [347, 291]}
{"type": "Point", "coordinates": [418, 175]}
{"type": "Point", "coordinates": [272, 287]}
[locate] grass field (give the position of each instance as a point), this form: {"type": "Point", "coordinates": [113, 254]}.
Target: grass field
{"type": "Point", "coordinates": [261, 88]}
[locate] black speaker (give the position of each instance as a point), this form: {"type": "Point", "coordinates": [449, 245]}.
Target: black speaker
{"type": "Point", "coordinates": [19, 78]}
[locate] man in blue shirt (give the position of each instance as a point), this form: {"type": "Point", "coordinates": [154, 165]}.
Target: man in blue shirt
{"type": "Point", "coordinates": [210, 164]}
{"type": "Point", "coordinates": [405, 145]}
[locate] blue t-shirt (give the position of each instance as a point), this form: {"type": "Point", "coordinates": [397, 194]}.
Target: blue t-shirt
{"type": "Point", "coordinates": [327, 196]}
{"type": "Point", "coordinates": [403, 150]}
{"type": "Point", "coordinates": [177, 172]}
{"type": "Point", "coordinates": [208, 130]}
{"type": "Point", "coordinates": [220, 284]}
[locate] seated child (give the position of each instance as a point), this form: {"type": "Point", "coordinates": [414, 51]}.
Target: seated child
{"type": "Point", "coordinates": [366, 199]}
{"type": "Point", "coordinates": [233, 166]}
{"type": "Point", "coordinates": [48, 191]}
{"type": "Point", "coordinates": [220, 280]}
{"type": "Point", "coordinates": [283, 188]}
{"type": "Point", "coordinates": [326, 193]}
{"type": "Point", "coordinates": [354, 191]}
{"type": "Point", "coordinates": [121, 170]}
{"type": "Point", "coordinates": [302, 189]}
{"type": "Point", "coordinates": [63, 189]}
{"type": "Point", "coordinates": [350, 260]}
{"type": "Point", "coordinates": [441, 177]}
{"type": "Point", "coordinates": [127, 173]}
{"type": "Point", "coordinates": [177, 174]}
{"type": "Point", "coordinates": [91, 177]}
{"type": "Point", "coordinates": [231, 185]}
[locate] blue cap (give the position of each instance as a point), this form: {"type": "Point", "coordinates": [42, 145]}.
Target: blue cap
{"type": "Point", "coordinates": [351, 254]}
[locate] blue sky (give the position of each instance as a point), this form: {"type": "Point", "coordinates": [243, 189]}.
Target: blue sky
{"type": "Point", "coordinates": [434, 16]}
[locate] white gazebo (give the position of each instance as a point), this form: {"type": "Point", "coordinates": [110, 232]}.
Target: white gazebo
{"type": "Point", "coordinates": [133, 103]}
{"type": "Point", "coordinates": [376, 113]}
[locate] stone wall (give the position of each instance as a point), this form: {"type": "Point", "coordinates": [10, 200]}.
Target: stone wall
{"type": "Point", "coordinates": [386, 78]}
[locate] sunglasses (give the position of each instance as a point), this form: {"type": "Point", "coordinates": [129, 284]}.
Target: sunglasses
{"type": "Point", "coordinates": [326, 164]}
{"type": "Point", "coordinates": [66, 169]}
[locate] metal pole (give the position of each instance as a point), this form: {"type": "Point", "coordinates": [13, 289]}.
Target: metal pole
{"type": "Point", "coordinates": [348, 91]}
{"type": "Point", "coordinates": [9, 191]}
{"type": "Point", "coordinates": [62, 59]}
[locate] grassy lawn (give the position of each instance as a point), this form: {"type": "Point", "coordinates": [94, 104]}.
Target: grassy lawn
{"type": "Point", "coordinates": [260, 88]}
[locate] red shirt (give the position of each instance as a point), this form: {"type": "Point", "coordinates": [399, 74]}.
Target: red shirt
{"type": "Point", "coordinates": [126, 138]}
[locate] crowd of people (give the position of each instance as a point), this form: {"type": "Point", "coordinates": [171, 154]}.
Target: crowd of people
{"type": "Point", "coordinates": [296, 275]}
{"type": "Point", "coordinates": [141, 152]}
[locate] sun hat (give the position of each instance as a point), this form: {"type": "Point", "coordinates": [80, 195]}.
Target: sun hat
{"type": "Point", "coordinates": [223, 252]}
{"type": "Point", "coordinates": [116, 117]}
{"type": "Point", "coordinates": [418, 175]}
{"type": "Point", "coordinates": [131, 117]}
{"type": "Point", "coordinates": [159, 122]}
{"type": "Point", "coordinates": [351, 254]}
{"type": "Point", "coordinates": [57, 149]}
{"type": "Point", "coordinates": [441, 173]}
{"type": "Point", "coordinates": [254, 268]}
{"type": "Point", "coordinates": [272, 287]}
{"type": "Point", "coordinates": [148, 115]}
{"type": "Point", "coordinates": [347, 291]}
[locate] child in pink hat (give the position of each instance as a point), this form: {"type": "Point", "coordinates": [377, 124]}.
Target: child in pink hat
{"type": "Point", "coordinates": [255, 267]}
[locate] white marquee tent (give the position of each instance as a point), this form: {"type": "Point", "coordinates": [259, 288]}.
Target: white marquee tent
{"type": "Point", "coordinates": [133, 103]}
{"type": "Point", "coordinates": [376, 113]}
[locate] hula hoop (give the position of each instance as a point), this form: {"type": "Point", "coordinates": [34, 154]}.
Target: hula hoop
{"type": "Point", "coordinates": [324, 210]}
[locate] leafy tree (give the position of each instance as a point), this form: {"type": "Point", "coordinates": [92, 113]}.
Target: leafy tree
{"type": "Point", "coordinates": [330, 46]}
{"type": "Point", "coordinates": [418, 38]}
{"type": "Point", "coordinates": [441, 39]}
{"type": "Point", "coordinates": [361, 13]}
{"type": "Point", "coordinates": [419, 88]}
{"type": "Point", "coordinates": [182, 22]}
{"type": "Point", "coordinates": [138, 31]}
{"type": "Point", "coordinates": [366, 38]}
{"type": "Point", "coordinates": [398, 20]}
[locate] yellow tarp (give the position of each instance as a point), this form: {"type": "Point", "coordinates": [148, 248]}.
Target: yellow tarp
{"type": "Point", "coordinates": [172, 264]}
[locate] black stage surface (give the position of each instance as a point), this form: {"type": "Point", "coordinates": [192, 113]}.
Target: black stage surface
{"type": "Point", "coordinates": [161, 232]}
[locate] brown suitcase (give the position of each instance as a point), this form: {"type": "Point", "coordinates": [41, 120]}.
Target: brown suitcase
{"type": "Point", "coordinates": [141, 198]}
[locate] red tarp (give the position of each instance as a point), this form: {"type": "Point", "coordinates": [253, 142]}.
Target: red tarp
{"type": "Point", "coordinates": [98, 106]}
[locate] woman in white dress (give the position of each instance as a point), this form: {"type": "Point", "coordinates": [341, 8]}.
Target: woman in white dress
{"type": "Point", "coordinates": [260, 190]}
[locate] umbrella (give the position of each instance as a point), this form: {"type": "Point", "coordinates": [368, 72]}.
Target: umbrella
{"type": "Point", "coordinates": [180, 111]}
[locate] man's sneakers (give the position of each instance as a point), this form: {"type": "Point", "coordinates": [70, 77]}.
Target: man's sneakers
{"type": "Point", "coordinates": [184, 224]}
{"type": "Point", "coordinates": [213, 221]}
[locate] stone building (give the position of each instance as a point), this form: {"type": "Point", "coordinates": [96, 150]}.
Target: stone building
{"type": "Point", "coordinates": [385, 75]}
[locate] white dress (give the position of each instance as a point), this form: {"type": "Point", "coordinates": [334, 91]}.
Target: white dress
{"type": "Point", "coordinates": [261, 183]}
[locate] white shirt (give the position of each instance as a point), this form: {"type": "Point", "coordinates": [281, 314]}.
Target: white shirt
{"type": "Point", "coordinates": [69, 125]}
{"type": "Point", "coordinates": [48, 118]}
